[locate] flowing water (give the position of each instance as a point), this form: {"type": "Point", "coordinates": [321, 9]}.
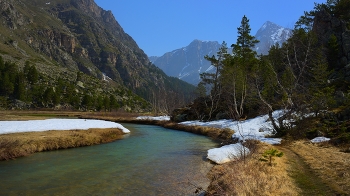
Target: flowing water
{"type": "Point", "coordinates": [151, 160]}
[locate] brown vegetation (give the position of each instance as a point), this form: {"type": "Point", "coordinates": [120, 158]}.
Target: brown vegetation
{"type": "Point", "coordinates": [252, 177]}
{"type": "Point", "coordinates": [37, 115]}
{"type": "Point", "coordinates": [327, 162]}
{"type": "Point", "coordinates": [23, 144]}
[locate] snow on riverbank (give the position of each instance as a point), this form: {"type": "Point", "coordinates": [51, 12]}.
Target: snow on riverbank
{"type": "Point", "coordinates": [56, 124]}
{"type": "Point", "coordinates": [227, 153]}
{"type": "Point", "coordinates": [160, 118]}
{"type": "Point", "coordinates": [256, 128]}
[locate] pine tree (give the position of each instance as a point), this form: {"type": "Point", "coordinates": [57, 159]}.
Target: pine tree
{"type": "Point", "coordinates": [106, 103]}
{"type": "Point", "coordinates": [237, 70]}
{"type": "Point", "coordinates": [320, 90]}
{"type": "Point", "coordinates": [333, 50]}
{"type": "Point", "coordinates": [19, 87]}
{"type": "Point", "coordinates": [33, 75]}
{"type": "Point", "coordinates": [243, 48]}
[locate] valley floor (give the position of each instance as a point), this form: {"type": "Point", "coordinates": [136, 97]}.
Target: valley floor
{"type": "Point", "coordinates": [305, 169]}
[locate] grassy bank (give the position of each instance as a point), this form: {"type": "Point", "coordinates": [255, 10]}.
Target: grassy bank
{"type": "Point", "coordinates": [326, 163]}
{"type": "Point", "coordinates": [22, 144]}
{"type": "Point", "coordinates": [252, 176]}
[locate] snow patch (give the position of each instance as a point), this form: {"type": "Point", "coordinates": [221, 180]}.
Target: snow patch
{"type": "Point", "coordinates": [256, 128]}
{"type": "Point", "coordinates": [320, 139]}
{"type": "Point", "coordinates": [160, 118]}
{"type": "Point", "coordinates": [56, 124]}
{"type": "Point", "coordinates": [227, 153]}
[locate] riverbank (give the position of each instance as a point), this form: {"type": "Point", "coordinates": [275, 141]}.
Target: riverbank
{"type": "Point", "coordinates": [42, 131]}
{"type": "Point", "coordinates": [16, 145]}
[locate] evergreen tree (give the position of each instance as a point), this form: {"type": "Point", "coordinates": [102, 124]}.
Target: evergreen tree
{"type": "Point", "coordinates": [320, 89]}
{"type": "Point", "coordinates": [333, 51]}
{"type": "Point", "coordinates": [2, 64]}
{"type": "Point", "coordinates": [48, 96]}
{"type": "Point", "coordinates": [7, 86]}
{"type": "Point", "coordinates": [113, 102]}
{"type": "Point", "coordinates": [237, 70]}
{"type": "Point", "coordinates": [87, 101]}
{"type": "Point", "coordinates": [106, 103]}
{"type": "Point", "coordinates": [243, 49]}
{"type": "Point", "coordinates": [212, 80]}
{"type": "Point", "coordinates": [32, 75]}
{"type": "Point", "coordinates": [99, 103]}
{"type": "Point", "coordinates": [20, 87]}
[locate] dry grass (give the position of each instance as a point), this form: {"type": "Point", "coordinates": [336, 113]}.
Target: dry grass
{"type": "Point", "coordinates": [37, 115]}
{"type": "Point", "coordinates": [252, 177]}
{"type": "Point", "coordinates": [330, 164]}
{"type": "Point", "coordinates": [23, 144]}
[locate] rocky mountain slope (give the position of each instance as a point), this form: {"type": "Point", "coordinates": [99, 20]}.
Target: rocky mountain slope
{"type": "Point", "coordinates": [77, 35]}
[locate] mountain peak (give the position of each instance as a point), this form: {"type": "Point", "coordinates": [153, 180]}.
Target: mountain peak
{"type": "Point", "coordinates": [270, 34]}
{"type": "Point", "coordinates": [188, 62]}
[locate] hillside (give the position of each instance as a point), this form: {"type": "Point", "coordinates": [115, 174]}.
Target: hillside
{"type": "Point", "coordinates": [63, 37]}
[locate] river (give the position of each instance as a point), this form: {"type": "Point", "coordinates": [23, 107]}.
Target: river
{"type": "Point", "coordinates": [151, 160]}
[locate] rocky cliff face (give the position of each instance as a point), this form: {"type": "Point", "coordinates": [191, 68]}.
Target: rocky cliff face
{"type": "Point", "coordinates": [80, 36]}
{"type": "Point", "coordinates": [325, 25]}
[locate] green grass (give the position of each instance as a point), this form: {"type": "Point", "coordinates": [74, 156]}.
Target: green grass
{"type": "Point", "coordinates": [306, 179]}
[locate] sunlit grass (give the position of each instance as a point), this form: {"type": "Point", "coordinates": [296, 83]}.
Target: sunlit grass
{"type": "Point", "coordinates": [22, 144]}
{"type": "Point", "coordinates": [327, 162]}
{"type": "Point", "coordinates": [252, 177]}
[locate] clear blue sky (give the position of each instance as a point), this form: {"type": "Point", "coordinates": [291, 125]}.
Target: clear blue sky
{"type": "Point", "coordinates": [160, 26]}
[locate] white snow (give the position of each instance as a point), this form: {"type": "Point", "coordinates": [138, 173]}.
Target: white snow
{"type": "Point", "coordinates": [256, 128]}
{"type": "Point", "coordinates": [320, 139]}
{"type": "Point", "coordinates": [56, 124]}
{"type": "Point", "coordinates": [227, 153]}
{"type": "Point", "coordinates": [160, 118]}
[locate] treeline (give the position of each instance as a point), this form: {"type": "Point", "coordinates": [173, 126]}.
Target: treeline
{"type": "Point", "coordinates": [26, 88]}
{"type": "Point", "coordinates": [295, 77]}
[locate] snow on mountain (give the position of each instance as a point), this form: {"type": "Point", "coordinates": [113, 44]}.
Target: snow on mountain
{"type": "Point", "coordinates": [188, 62]}
{"type": "Point", "coordinates": [270, 34]}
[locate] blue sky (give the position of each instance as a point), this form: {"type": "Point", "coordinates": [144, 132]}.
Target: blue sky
{"type": "Point", "coordinates": [160, 26]}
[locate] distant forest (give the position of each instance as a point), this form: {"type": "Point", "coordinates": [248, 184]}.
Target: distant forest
{"type": "Point", "coordinates": [27, 89]}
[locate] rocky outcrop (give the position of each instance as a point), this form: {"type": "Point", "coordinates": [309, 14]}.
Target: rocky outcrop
{"type": "Point", "coordinates": [325, 25]}
{"type": "Point", "coordinates": [11, 17]}
{"type": "Point", "coordinates": [80, 36]}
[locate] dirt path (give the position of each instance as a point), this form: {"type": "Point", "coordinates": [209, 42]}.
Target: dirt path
{"type": "Point", "coordinates": [306, 176]}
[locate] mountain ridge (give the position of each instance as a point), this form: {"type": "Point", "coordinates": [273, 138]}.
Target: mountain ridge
{"type": "Point", "coordinates": [187, 63]}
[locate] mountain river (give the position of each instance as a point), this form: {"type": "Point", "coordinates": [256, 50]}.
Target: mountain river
{"type": "Point", "coordinates": [151, 160]}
